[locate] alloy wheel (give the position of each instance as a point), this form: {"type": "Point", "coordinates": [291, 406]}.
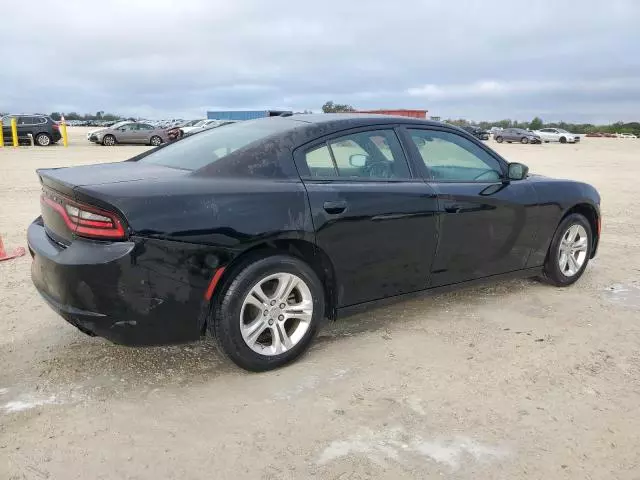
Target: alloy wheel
{"type": "Point", "coordinates": [43, 140]}
{"type": "Point", "coordinates": [276, 314]}
{"type": "Point", "coordinates": [572, 252]}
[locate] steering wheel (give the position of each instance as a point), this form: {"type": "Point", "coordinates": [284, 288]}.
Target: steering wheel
{"type": "Point", "coordinates": [378, 169]}
{"type": "Point", "coordinates": [485, 172]}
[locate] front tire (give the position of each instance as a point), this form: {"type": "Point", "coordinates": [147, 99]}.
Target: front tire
{"type": "Point", "coordinates": [155, 141]}
{"type": "Point", "coordinates": [108, 140]}
{"type": "Point", "coordinates": [524, 140]}
{"type": "Point", "coordinates": [563, 140]}
{"type": "Point", "coordinates": [268, 314]}
{"type": "Point", "coordinates": [569, 251]}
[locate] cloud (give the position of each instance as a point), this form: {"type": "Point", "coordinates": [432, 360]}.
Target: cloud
{"type": "Point", "coordinates": [571, 59]}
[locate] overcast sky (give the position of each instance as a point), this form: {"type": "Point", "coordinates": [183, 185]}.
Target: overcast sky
{"type": "Point", "coordinates": [562, 60]}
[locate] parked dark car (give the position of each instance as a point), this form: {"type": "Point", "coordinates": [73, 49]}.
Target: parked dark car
{"type": "Point", "coordinates": [510, 135]}
{"type": "Point", "coordinates": [45, 131]}
{"type": "Point", "coordinates": [477, 132]}
{"type": "Point", "coordinates": [257, 231]}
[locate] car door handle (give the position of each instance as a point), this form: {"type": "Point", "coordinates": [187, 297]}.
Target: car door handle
{"type": "Point", "coordinates": [335, 208]}
{"type": "Point", "coordinates": [454, 208]}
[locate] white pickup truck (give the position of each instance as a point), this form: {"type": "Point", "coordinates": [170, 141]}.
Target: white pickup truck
{"type": "Point", "coordinates": [557, 135]}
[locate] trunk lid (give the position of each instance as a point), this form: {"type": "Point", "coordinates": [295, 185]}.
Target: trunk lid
{"type": "Point", "coordinates": [62, 186]}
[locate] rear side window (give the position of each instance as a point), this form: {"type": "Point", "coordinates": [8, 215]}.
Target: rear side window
{"type": "Point", "coordinates": [374, 154]}
{"type": "Point", "coordinates": [211, 146]}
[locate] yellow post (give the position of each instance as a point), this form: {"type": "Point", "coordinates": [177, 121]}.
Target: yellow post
{"type": "Point", "coordinates": [1, 135]}
{"type": "Point", "coordinates": [14, 131]}
{"type": "Point", "coordinates": [63, 131]}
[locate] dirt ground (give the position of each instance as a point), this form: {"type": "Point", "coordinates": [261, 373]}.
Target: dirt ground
{"type": "Point", "coordinates": [513, 380]}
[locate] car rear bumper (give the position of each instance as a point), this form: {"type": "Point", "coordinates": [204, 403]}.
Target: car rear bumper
{"type": "Point", "coordinates": [112, 290]}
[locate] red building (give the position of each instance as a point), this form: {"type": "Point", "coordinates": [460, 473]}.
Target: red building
{"type": "Point", "coordinates": [400, 112]}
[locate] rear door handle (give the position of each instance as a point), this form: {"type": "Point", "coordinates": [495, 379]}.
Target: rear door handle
{"type": "Point", "coordinates": [453, 208]}
{"type": "Point", "coordinates": [335, 208]}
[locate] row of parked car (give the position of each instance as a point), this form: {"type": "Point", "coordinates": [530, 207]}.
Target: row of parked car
{"type": "Point", "coordinates": [149, 133]}
{"type": "Point", "coordinates": [521, 135]}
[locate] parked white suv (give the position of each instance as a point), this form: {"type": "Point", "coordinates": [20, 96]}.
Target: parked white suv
{"type": "Point", "coordinates": [557, 135]}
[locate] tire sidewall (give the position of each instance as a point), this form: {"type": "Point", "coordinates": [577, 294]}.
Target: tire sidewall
{"type": "Point", "coordinates": [499, 139]}
{"type": "Point", "coordinates": [524, 140]}
{"type": "Point", "coordinates": [552, 269]}
{"type": "Point", "coordinates": [226, 318]}
{"type": "Point", "coordinates": [108, 144]}
{"type": "Point", "coordinates": [154, 144]}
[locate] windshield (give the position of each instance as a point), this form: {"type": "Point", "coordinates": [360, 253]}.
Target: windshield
{"type": "Point", "coordinates": [119, 124]}
{"type": "Point", "coordinates": [197, 151]}
{"type": "Point", "coordinates": [561, 130]}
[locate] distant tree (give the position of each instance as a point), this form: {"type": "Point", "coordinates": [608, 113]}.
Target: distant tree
{"type": "Point", "coordinates": [55, 116]}
{"type": "Point", "coordinates": [331, 107]}
{"type": "Point", "coordinates": [536, 124]}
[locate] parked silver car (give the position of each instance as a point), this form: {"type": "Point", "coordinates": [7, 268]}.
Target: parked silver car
{"type": "Point", "coordinates": [516, 135]}
{"type": "Point", "coordinates": [129, 132]}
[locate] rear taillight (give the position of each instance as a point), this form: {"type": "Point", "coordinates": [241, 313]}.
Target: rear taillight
{"type": "Point", "coordinates": [85, 220]}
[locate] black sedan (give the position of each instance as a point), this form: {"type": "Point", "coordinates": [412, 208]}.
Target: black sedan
{"type": "Point", "coordinates": [257, 232]}
{"type": "Point", "coordinates": [476, 132]}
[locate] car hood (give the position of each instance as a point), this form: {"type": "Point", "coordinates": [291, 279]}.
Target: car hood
{"type": "Point", "coordinates": [96, 132]}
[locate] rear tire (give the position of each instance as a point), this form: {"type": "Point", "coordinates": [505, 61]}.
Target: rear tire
{"type": "Point", "coordinates": [499, 139]}
{"type": "Point", "coordinates": [559, 269]}
{"type": "Point", "coordinates": [108, 140]}
{"type": "Point", "coordinates": [238, 309]}
{"type": "Point", "coordinates": [43, 139]}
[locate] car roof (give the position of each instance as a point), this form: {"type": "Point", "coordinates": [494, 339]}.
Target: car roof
{"type": "Point", "coordinates": [345, 120]}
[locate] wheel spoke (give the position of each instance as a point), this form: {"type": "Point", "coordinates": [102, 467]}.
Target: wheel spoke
{"type": "Point", "coordinates": [254, 301]}
{"type": "Point", "coordinates": [258, 293]}
{"type": "Point", "coordinates": [580, 244]}
{"type": "Point", "coordinates": [281, 341]}
{"type": "Point", "coordinates": [302, 311]}
{"type": "Point", "coordinates": [573, 264]}
{"type": "Point", "coordinates": [254, 330]}
{"type": "Point", "coordinates": [573, 233]}
{"type": "Point", "coordinates": [563, 261]}
{"type": "Point", "coordinates": [286, 283]}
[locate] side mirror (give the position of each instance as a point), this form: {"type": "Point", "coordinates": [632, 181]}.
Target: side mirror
{"type": "Point", "coordinates": [517, 171]}
{"type": "Point", "coordinates": [358, 160]}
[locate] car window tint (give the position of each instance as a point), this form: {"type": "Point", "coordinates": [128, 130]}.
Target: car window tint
{"type": "Point", "coordinates": [210, 146]}
{"type": "Point", "coordinates": [451, 157]}
{"type": "Point", "coordinates": [24, 120]}
{"type": "Point", "coordinates": [320, 162]}
{"type": "Point", "coordinates": [373, 154]}
{"type": "Point", "coordinates": [144, 126]}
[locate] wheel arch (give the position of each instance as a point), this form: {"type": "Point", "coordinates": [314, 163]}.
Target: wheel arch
{"type": "Point", "coordinates": [304, 250]}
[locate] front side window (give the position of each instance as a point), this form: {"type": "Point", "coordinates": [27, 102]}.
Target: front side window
{"type": "Point", "coordinates": [451, 157]}
{"type": "Point", "coordinates": [374, 154]}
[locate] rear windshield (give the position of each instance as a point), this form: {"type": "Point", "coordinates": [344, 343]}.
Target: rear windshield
{"type": "Point", "coordinates": [202, 149]}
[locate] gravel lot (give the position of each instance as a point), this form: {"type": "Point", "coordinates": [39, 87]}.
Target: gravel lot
{"type": "Point", "coordinates": [513, 380]}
